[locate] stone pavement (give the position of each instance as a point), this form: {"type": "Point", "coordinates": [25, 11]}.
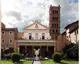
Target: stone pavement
{"type": "Point", "coordinates": [36, 62]}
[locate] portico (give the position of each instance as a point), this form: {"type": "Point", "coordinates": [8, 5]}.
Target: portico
{"type": "Point", "coordinates": [47, 47]}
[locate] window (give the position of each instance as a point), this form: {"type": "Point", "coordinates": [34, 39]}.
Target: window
{"type": "Point", "coordinates": [56, 31]}
{"type": "Point", "coordinates": [77, 31]}
{"type": "Point", "coordinates": [53, 31]}
{"type": "Point", "coordinates": [55, 18]}
{"type": "Point", "coordinates": [30, 36]}
{"type": "Point", "coordinates": [66, 36]}
{"type": "Point", "coordinates": [57, 25]}
{"type": "Point", "coordinates": [10, 41]}
{"type": "Point", "coordinates": [43, 36]}
{"type": "Point", "coordinates": [10, 32]}
{"type": "Point", "coordinates": [3, 32]}
{"type": "Point", "coordinates": [55, 12]}
{"type": "Point", "coordinates": [36, 35]}
{"type": "Point", "coordinates": [2, 41]}
{"type": "Point", "coordinates": [53, 25]}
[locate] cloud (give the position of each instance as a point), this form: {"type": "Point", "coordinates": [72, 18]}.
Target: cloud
{"type": "Point", "coordinates": [15, 14]}
{"type": "Point", "coordinates": [20, 13]}
{"type": "Point", "coordinates": [69, 12]}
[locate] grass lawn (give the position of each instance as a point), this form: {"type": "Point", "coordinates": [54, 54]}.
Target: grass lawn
{"type": "Point", "coordinates": [62, 62]}
{"type": "Point", "coordinates": [10, 62]}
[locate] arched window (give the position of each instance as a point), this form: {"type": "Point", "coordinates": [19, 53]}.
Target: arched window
{"type": "Point", "coordinates": [36, 35]}
{"type": "Point", "coordinates": [30, 35]}
{"type": "Point", "coordinates": [43, 36]}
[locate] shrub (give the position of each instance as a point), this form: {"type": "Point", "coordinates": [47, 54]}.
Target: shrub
{"type": "Point", "coordinates": [16, 57]}
{"type": "Point", "coordinates": [71, 51]}
{"type": "Point", "coordinates": [56, 57]}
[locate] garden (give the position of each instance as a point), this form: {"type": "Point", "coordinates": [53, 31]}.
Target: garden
{"type": "Point", "coordinates": [69, 55]}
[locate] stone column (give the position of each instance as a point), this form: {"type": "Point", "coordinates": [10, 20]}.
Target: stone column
{"type": "Point", "coordinates": [47, 48]}
{"type": "Point", "coordinates": [18, 49]}
{"type": "Point", "coordinates": [54, 49]}
{"type": "Point", "coordinates": [33, 50]}
{"type": "Point", "coordinates": [40, 51]}
{"type": "Point", "coordinates": [25, 48]}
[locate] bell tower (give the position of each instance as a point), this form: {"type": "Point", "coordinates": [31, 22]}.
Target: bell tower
{"type": "Point", "coordinates": [54, 21]}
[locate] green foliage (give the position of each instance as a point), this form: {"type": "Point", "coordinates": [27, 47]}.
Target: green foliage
{"type": "Point", "coordinates": [16, 57]}
{"type": "Point", "coordinates": [67, 47]}
{"type": "Point", "coordinates": [71, 51]}
{"type": "Point", "coordinates": [56, 57]}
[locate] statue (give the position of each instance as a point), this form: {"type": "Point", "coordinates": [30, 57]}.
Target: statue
{"type": "Point", "coordinates": [36, 52]}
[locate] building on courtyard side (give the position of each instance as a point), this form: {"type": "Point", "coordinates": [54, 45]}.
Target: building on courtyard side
{"type": "Point", "coordinates": [8, 38]}
{"type": "Point", "coordinates": [72, 32]}
{"type": "Point", "coordinates": [70, 35]}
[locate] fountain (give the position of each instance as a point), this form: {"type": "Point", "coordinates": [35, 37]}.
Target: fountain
{"type": "Point", "coordinates": [36, 52]}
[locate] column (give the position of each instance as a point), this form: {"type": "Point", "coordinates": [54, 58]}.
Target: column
{"type": "Point", "coordinates": [18, 49]}
{"type": "Point", "coordinates": [47, 48]}
{"type": "Point", "coordinates": [33, 50]}
{"type": "Point", "coordinates": [25, 48]}
{"type": "Point", "coordinates": [40, 51]}
{"type": "Point", "coordinates": [54, 49]}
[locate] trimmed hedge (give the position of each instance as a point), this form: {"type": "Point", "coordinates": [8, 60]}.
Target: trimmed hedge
{"type": "Point", "coordinates": [56, 57]}
{"type": "Point", "coordinates": [16, 57]}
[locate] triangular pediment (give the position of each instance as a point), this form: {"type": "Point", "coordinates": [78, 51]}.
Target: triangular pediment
{"type": "Point", "coordinates": [36, 25]}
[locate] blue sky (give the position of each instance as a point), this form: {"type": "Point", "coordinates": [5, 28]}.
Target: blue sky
{"type": "Point", "coordinates": [20, 13]}
{"type": "Point", "coordinates": [74, 1]}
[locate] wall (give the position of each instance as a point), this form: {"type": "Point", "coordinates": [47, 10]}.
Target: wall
{"type": "Point", "coordinates": [26, 34]}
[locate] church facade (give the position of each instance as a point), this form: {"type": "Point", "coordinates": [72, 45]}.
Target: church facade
{"type": "Point", "coordinates": [36, 36]}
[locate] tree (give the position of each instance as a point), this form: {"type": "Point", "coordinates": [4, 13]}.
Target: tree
{"type": "Point", "coordinates": [71, 51]}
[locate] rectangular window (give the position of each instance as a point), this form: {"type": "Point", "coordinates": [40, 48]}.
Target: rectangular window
{"type": "Point", "coordinates": [55, 12]}
{"type": "Point", "coordinates": [56, 31]}
{"type": "Point", "coordinates": [2, 41]}
{"type": "Point", "coordinates": [43, 37]}
{"type": "Point", "coordinates": [30, 36]}
{"type": "Point", "coordinates": [77, 31]}
{"type": "Point", "coordinates": [53, 31]}
{"type": "Point", "coordinates": [55, 18]}
{"type": "Point", "coordinates": [10, 41]}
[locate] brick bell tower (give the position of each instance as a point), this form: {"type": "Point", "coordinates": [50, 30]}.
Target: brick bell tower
{"type": "Point", "coordinates": [54, 21]}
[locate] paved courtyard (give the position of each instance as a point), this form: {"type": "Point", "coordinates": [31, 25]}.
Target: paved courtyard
{"type": "Point", "coordinates": [36, 62]}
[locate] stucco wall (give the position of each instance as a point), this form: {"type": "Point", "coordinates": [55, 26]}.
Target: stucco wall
{"type": "Point", "coordinates": [26, 34]}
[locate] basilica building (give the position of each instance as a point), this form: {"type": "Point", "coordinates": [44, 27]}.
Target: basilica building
{"type": "Point", "coordinates": [36, 36]}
